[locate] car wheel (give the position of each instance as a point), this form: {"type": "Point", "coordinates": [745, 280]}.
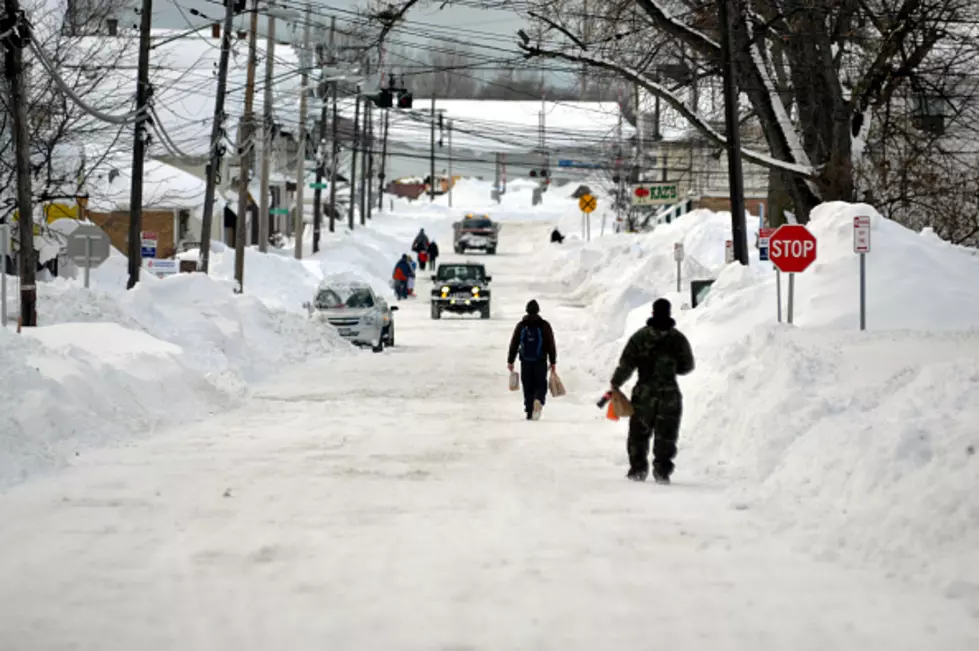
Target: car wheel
{"type": "Point", "coordinates": [491, 251]}
{"type": "Point", "coordinates": [484, 313]}
{"type": "Point", "coordinates": [436, 312]}
{"type": "Point", "coordinates": [390, 339]}
{"type": "Point", "coordinates": [379, 346]}
{"type": "Point", "coordinates": [460, 250]}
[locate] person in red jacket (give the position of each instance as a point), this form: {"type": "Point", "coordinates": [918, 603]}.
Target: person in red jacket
{"type": "Point", "coordinates": [533, 341]}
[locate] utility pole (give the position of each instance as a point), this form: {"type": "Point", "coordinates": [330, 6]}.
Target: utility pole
{"type": "Point", "coordinates": [353, 159]}
{"type": "Point", "coordinates": [739, 234]}
{"type": "Point", "coordinates": [449, 126]}
{"type": "Point", "coordinates": [321, 155]}
{"type": "Point", "coordinates": [364, 182]}
{"type": "Point", "coordinates": [431, 186]}
{"type": "Point", "coordinates": [14, 71]}
{"type": "Point", "coordinates": [216, 147]}
{"type": "Point", "coordinates": [301, 158]}
{"type": "Point", "coordinates": [334, 159]}
{"type": "Point", "coordinates": [619, 189]}
{"type": "Point", "coordinates": [134, 249]}
{"type": "Point", "coordinates": [384, 159]}
{"type": "Point", "coordinates": [496, 180]}
{"type": "Point", "coordinates": [369, 179]}
{"type": "Point", "coordinates": [263, 208]}
{"type": "Point", "coordinates": [246, 131]}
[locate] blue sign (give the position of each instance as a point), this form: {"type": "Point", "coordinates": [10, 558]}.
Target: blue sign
{"type": "Point", "coordinates": [564, 162]}
{"type": "Point", "coordinates": [763, 253]}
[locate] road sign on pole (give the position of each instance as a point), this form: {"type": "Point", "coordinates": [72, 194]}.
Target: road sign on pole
{"type": "Point", "coordinates": [587, 203]}
{"type": "Point", "coordinates": [149, 244]}
{"type": "Point", "coordinates": [655, 194]}
{"type": "Point", "coordinates": [792, 248]}
{"type": "Point", "coordinates": [88, 246]}
{"type": "Point", "coordinates": [764, 236]}
{"type": "Point", "coordinates": [861, 246]}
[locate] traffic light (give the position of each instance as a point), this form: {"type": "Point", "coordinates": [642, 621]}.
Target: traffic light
{"type": "Point", "coordinates": [404, 100]}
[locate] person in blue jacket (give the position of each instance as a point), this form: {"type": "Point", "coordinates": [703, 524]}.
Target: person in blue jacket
{"type": "Point", "coordinates": [403, 273]}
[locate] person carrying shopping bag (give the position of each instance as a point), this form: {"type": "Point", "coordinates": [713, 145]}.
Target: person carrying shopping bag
{"type": "Point", "coordinates": [533, 341]}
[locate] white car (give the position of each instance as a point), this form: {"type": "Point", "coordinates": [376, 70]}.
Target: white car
{"type": "Point", "coordinates": [359, 315]}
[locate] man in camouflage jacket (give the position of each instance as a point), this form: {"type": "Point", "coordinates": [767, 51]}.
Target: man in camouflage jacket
{"type": "Point", "coordinates": [660, 353]}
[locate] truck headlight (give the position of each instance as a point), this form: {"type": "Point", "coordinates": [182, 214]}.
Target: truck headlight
{"type": "Point", "coordinates": [445, 291]}
{"type": "Point", "coordinates": [476, 292]}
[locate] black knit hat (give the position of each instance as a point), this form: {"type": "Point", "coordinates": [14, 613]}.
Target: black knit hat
{"type": "Point", "coordinates": [533, 307]}
{"type": "Point", "coordinates": [662, 308]}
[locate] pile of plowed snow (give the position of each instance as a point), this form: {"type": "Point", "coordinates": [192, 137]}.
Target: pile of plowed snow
{"type": "Point", "coordinates": [107, 365]}
{"type": "Point", "coordinates": [864, 443]}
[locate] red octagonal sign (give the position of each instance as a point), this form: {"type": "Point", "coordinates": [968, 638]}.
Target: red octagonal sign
{"type": "Point", "coordinates": [792, 248]}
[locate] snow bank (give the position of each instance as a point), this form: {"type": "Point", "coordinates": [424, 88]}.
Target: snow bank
{"type": "Point", "coordinates": [107, 365]}
{"type": "Point", "coordinates": [861, 443]}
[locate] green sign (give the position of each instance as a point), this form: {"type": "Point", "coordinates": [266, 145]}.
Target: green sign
{"type": "Point", "coordinates": [279, 211]}
{"type": "Point", "coordinates": [318, 186]}
{"type": "Point", "coordinates": [655, 194]}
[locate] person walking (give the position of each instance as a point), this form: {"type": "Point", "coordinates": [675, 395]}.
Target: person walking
{"type": "Point", "coordinates": [533, 341]}
{"type": "Point", "coordinates": [433, 254]}
{"type": "Point", "coordinates": [659, 352]}
{"type": "Point", "coordinates": [402, 272]}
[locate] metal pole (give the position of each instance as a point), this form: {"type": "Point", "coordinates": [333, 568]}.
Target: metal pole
{"type": "Point", "coordinates": [497, 179]}
{"type": "Point", "coordinates": [863, 291]}
{"type": "Point", "coordinates": [88, 258]}
{"type": "Point", "coordinates": [678, 277]}
{"type": "Point", "coordinates": [263, 207]}
{"type": "Point", "coordinates": [364, 155]}
{"type": "Point", "coordinates": [321, 153]}
{"type": "Point", "coordinates": [778, 293]}
{"type": "Point", "coordinates": [245, 133]}
{"type": "Point", "coordinates": [215, 143]}
{"type": "Point", "coordinates": [369, 178]}
{"type": "Point", "coordinates": [732, 131]}
{"type": "Point", "coordinates": [450, 163]}
{"type": "Point", "coordinates": [134, 250]}
{"type": "Point", "coordinates": [432, 155]}
{"type": "Point", "coordinates": [791, 295]}
{"type": "Point", "coordinates": [353, 159]}
{"type": "Point", "coordinates": [301, 158]}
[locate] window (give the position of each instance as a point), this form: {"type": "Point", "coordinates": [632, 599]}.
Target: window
{"type": "Point", "coordinates": [460, 272]}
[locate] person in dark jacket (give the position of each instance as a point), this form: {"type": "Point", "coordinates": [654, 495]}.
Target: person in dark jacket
{"type": "Point", "coordinates": [556, 236]}
{"type": "Point", "coordinates": [433, 254]}
{"type": "Point", "coordinates": [659, 352]}
{"type": "Point", "coordinates": [533, 340]}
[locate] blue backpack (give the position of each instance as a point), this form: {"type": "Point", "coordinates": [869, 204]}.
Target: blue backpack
{"type": "Point", "coordinates": [531, 344]}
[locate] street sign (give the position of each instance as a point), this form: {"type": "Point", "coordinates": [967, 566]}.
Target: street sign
{"type": "Point", "coordinates": [792, 248]}
{"type": "Point", "coordinates": [318, 186]}
{"type": "Point", "coordinates": [655, 194]}
{"type": "Point", "coordinates": [728, 251]}
{"type": "Point", "coordinates": [564, 162]}
{"type": "Point", "coordinates": [587, 203]}
{"type": "Point", "coordinates": [149, 240]}
{"type": "Point", "coordinates": [162, 268]}
{"type": "Point", "coordinates": [279, 211]}
{"type": "Point", "coordinates": [88, 246]}
{"type": "Point", "coordinates": [764, 236]}
{"type": "Point", "coordinates": [861, 234]}
{"type": "Point", "coordinates": [678, 251]}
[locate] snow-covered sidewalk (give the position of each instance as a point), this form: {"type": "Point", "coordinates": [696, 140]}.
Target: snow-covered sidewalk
{"type": "Point", "coordinates": [400, 501]}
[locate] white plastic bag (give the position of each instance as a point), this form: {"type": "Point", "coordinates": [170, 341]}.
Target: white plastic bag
{"type": "Point", "coordinates": [514, 380]}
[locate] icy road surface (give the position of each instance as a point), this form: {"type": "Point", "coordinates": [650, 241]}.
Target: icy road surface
{"type": "Point", "coordinates": [400, 501]}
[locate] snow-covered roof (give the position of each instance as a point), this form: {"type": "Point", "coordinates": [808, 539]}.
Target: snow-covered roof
{"type": "Point", "coordinates": [164, 187]}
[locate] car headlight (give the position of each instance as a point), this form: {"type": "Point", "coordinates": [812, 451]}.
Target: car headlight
{"type": "Point", "coordinates": [475, 291]}
{"type": "Point", "coordinates": [445, 291]}
{"type": "Point", "coordinates": [368, 320]}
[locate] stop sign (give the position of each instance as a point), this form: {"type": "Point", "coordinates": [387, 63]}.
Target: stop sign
{"type": "Point", "coordinates": [792, 248]}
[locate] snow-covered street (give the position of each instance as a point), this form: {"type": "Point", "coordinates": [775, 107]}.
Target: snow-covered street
{"type": "Point", "coordinates": [400, 501]}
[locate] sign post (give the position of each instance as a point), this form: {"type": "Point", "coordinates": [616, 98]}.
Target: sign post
{"type": "Point", "coordinates": [678, 256]}
{"type": "Point", "coordinates": [792, 250]}
{"type": "Point", "coordinates": [149, 244]}
{"type": "Point", "coordinates": [764, 237]}
{"type": "Point", "coordinates": [861, 246]}
{"type": "Point", "coordinates": [587, 203]}
{"type": "Point", "coordinates": [88, 246]}
{"type": "Point", "coordinates": [728, 251]}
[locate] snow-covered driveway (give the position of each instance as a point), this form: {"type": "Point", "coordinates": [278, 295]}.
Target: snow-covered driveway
{"type": "Point", "coordinates": [400, 501]}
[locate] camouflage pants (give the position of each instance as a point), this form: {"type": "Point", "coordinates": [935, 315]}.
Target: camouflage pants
{"type": "Point", "coordinates": [659, 419]}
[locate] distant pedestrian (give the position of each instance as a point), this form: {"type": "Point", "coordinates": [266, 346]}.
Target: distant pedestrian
{"type": "Point", "coordinates": [421, 242]}
{"type": "Point", "coordinates": [401, 275]}
{"type": "Point", "coordinates": [433, 254]}
{"type": "Point", "coordinates": [533, 341]}
{"type": "Point", "coordinates": [556, 236]}
{"type": "Point", "coordinates": [659, 352]}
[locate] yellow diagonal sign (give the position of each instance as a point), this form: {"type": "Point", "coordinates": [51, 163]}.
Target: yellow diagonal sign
{"type": "Point", "coordinates": [587, 203]}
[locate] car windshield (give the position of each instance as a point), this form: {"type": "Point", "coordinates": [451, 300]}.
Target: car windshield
{"type": "Point", "coordinates": [478, 223]}
{"type": "Point", "coordinates": [460, 272]}
{"type": "Point", "coordinates": [329, 298]}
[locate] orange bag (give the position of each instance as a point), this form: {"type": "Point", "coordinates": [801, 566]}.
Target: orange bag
{"type": "Point", "coordinates": [619, 406]}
